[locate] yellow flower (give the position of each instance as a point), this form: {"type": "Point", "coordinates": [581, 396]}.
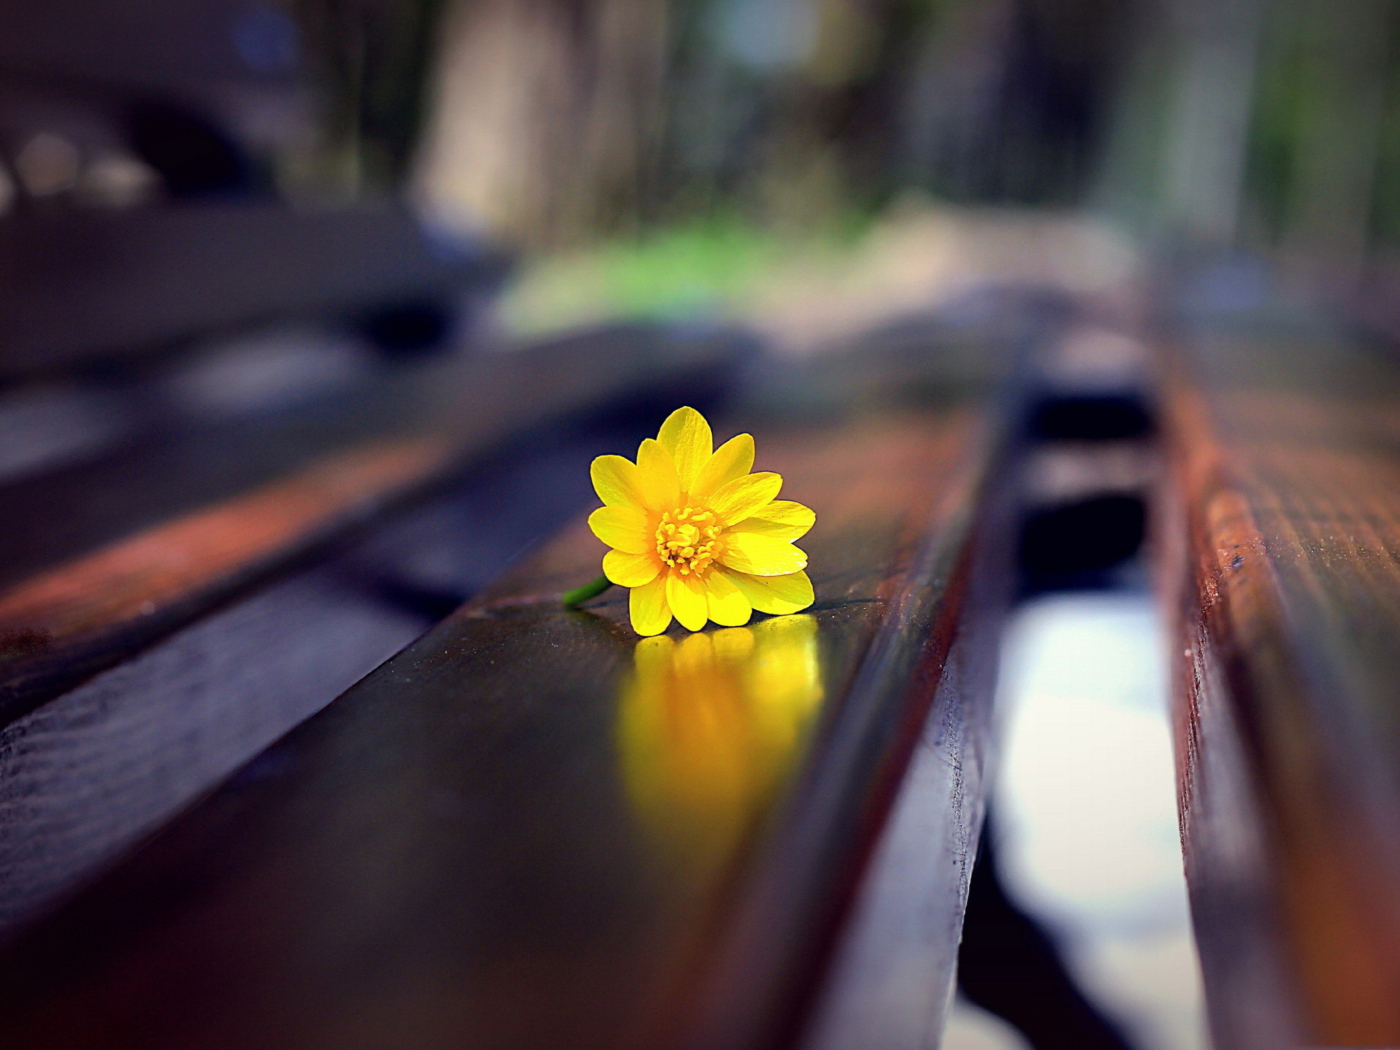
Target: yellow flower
{"type": "Point", "coordinates": [695, 535]}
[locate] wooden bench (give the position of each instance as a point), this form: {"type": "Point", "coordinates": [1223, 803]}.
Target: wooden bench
{"type": "Point", "coordinates": [1281, 542]}
{"type": "Point", "coordinates": [528, 828]}
{"type": "Point", "coordinates": [107, 555]}
{"type": "Point", "coordinates": [180, 602]}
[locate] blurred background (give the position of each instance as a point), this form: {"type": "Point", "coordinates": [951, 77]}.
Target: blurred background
{"type": "Point", "coordinates": [660, 155]}
{"type": "Point", "coordinates": [172, 168]}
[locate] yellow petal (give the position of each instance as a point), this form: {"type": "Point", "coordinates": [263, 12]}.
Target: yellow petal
{"type": "Point", "coordinates": [658, 484]}
{"type": "Point", "coordinates": [743, 496]}
{"type": "Point", "coordinates": [786, 512]}
{"type": "Point", "coordinates": [686, 435]}
{"type": "Point", "coordinates": [771, 529]}
{"type": "Point", "coordinates": [622, 527]}
{"type": "Point", "coordinates": [760, 555]}
{"type": "Point", "coordinates": [617, 482]}
{"type": "Point", "coordinates": [631, 570]}
{"type": "Point", "coordinates": [650, 613]}
{"type": "Point", "coordinates": [686, 596]}
{"type": "Point", "coordinates": [728, 607]}
{"type": "Point", "coordinates": [778, 595]}
{"type": "Point", "coordinates": [731, 461]}
{"type": "Point", "coordinates": [781, 519]}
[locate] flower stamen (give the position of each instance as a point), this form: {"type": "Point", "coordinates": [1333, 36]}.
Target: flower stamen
{"type": "Point", "coordinates": [688, 539]}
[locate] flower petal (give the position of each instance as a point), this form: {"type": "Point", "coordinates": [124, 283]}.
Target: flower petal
{"type": "Point", "coordinates": [658, 484]}
{"type": "Point", "coordinates": [778, 595]}
{"type": "Point", "coordinates": [781, 519]}
{"type": "Point", "coordinates": [686, 597]}
{"type": "Point", "coordinates": [617, 481]}
{"type": "Point", "coordinates": [760, 555]}
{"type": "Point", "coordinates": [686, 435]}
{"type": "Point", "coordinates": [631, 570]}
{"type": "Point", "coordinates": [647, 604]}
{"type": "Point", "coordinates": [728, 606]}
{"type": "Point", "coordinates": [741, 497]}
{"type": "Point", "coordinates": [624, 528]}
{"type": "Point", "coordinates": [786, 512]}
{"type": "Point", "coordinates": [731, 461]}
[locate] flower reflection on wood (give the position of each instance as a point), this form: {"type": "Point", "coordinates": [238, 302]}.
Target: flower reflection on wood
{"type": "Point", "coordinates": [711, 726]}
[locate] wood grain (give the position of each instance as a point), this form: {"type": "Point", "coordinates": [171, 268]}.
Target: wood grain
{"type": "Point", "coordinates": [163, 565]}
{"type": "Point", "coordinates": [105, 558]}
{"type": "Point", "coordinates": [135, 580]}
{"type": "Point", "coordinates": [85, 775]}
{"type": "Point", "coordinates": [459, 851]}
{"type": "Point", "coordinates": [1283, 525]}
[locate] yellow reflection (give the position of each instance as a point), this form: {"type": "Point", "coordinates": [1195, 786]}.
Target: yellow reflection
{"type": "Point", "coordinates": [712, 724]}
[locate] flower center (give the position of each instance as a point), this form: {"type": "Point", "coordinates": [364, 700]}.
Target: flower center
{"type": "Point", "coordinates": [688, 539]}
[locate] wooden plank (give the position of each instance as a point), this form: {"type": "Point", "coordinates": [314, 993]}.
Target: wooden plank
{"type": "Point", "coordinates": [529, 829]}
{"type": "Point", "coordinates": [79, 615]}
{"type": "Point", "coordinates": [1283, 522]}
{"type": "Point", "coordinates": [78, 285]}
{"type": "Point", "coordinates": [469, 399]}
{"type": "Point", "coordinates": [104, 558]}
{"type": "Point", "coordinates": [893, 972]}
{"type": "Point", "coordinates": [88, 773]}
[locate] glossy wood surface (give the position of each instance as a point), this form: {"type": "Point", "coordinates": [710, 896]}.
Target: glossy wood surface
{"type": "Point", "coordinates": [103, 557]}
{"type": "Point", "coordinates": [1283, 540]}
{"type": "Point", "coordinates": [530, 829]}
{"type": "Point", "coordinates": [90, 772]}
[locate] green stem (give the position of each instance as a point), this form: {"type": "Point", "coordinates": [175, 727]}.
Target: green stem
{"type": "Point", "coordinates": [576, 597]}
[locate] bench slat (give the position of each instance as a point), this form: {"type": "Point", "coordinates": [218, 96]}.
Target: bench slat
{"type": "Point", "coordinates": [1285, 516]}
{"type": "Point", "coordinates": [530, 829]}
{"type": "Point", "coordinates": [158, 536]}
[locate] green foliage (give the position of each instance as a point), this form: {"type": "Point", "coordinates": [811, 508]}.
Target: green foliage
{"type": "Point", "coordinates": [1279, 121]}
{"type": "Point", "coordinates": [697, 268]}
